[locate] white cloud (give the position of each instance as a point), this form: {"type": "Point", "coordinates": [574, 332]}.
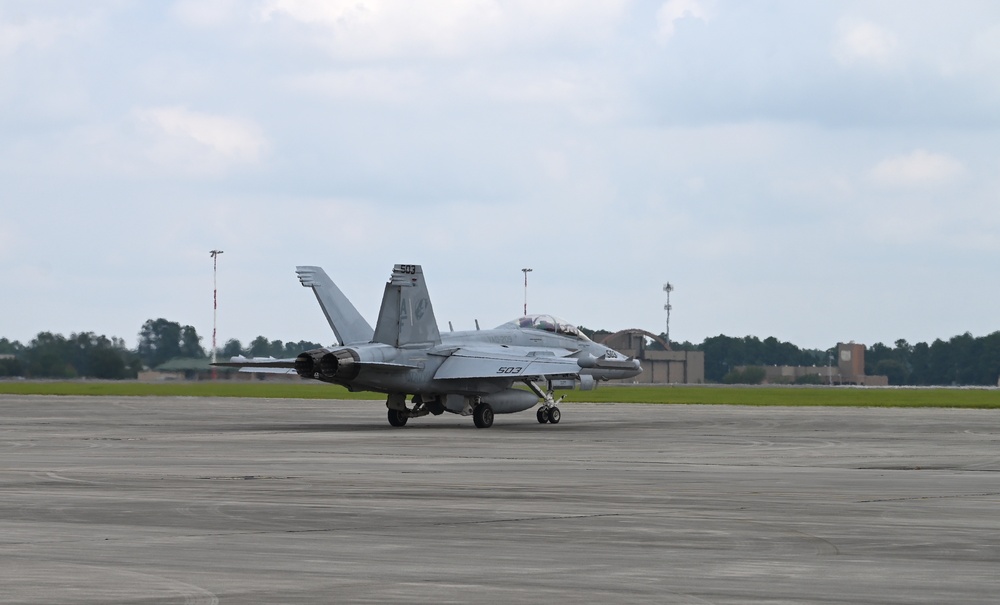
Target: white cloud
{"type": "Point", "coordinates": [378, 29]}
{"type": "Point", "coordinates": [199, 142]}
{"type": "Point", "coordinates": [675, 10]}
{"type": "Point", "coordinates": [988, 42]}
{"type": "Point", "coordinates": [865, 42]}
{"type": "Point", "coordinates": [9, 240]}
{"type": "Point", "coordinates": [368, 84]}
{"type": "Point", "coordinates": [917, 168]}
{"type": "Point", "coordinates": [555, 166]}
{"type": "Point", "coordinates": [588, 96]}
{"type": "Point", "coordinates": [37, 33]}
{"type": "Point", "coordinates": [205, 13]}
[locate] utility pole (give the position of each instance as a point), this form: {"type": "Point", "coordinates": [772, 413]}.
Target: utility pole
{"type": "Point", "coordinates": [526, 271]}
{"type": "Point", "coordinates": [215, 301]}
{"type": "Point", "coordinates": [668, 288]}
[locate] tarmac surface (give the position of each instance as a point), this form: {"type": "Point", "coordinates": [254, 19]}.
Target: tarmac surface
{"type": "Point", "coordinates": [185, 500]}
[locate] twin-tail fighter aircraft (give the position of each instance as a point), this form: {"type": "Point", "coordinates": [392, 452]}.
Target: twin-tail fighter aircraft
{"type": "Point", "coordinates": [468, 373]}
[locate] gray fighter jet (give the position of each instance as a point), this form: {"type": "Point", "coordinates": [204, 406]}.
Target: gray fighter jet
{"type": "Point", "coordinates": [468, 373]}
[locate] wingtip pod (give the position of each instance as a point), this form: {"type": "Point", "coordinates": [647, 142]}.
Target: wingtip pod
{"type": "Point", "coordinates": [610, 368]}
{"type": "Point", "coordinates": [588, 361]}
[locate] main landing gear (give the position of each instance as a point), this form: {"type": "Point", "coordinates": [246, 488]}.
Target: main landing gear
{"type": "Point", "coordinates": [398, 417]}
{"type": "Point", "coordinates": [482, 415]}
{"type": "Point", "coordinates": [398, 413]}
{"type": "Point", "coordinates": [548, 412]}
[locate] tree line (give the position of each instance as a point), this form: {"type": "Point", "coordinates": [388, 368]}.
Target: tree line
{"type": "Point", "coordinates": [960, 360]}
{"type": "Point", "coordinates": [87, 355]}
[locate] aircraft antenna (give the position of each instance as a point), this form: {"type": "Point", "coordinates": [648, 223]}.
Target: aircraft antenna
{"type": "Point", "coordinates": [668, 288]}
{"type": "Point", "coordinates": [215, 301]}
{"type": "Point", "coordinates": [526, 271]}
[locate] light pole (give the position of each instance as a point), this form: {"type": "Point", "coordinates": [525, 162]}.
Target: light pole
{"type": "Point", "coordinates": [668, 288]}
{"type": "Point", "coordinates": [526, 271]}
{"type": "Point", "coordinates": [215, 301]}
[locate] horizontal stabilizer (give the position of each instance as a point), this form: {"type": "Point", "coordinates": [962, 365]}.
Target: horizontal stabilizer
{"type": "Point", "coordinates": [256, 362]}
{"type": "Point", "coordinates": [259, 365]}
{"type": "Point", "coordinates": [261, 370]}
{"type": "Point", "coordinates": [385, 365]}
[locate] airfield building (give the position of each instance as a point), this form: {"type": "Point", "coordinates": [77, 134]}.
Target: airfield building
{"type": "Point", "coordinates": [658, 366]}
{"type": "Point", "coordinates": [850, 370]}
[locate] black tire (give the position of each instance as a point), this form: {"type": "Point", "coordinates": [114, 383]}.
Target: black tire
{"type": "Point", "coordinates": [397, 417]}
{"type": "Point", "coordinates": [482, 415]}
{"type": "Point", "coordinates": [542, 415]}
{"type": "Point", "coordinates": [554, 415]}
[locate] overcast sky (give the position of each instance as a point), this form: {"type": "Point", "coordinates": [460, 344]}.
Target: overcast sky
{"type": "Point", "coordinates": [814, 171]}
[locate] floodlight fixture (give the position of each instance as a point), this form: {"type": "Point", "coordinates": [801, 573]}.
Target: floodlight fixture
{"type": "Point", "coordinates": [668, 288]}
{"type": "Point", "coordinates": [526, 271]}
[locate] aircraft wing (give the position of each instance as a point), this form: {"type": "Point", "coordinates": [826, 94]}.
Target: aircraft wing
{"type": "Point", "coordinates": [260, 365]}
{"type": "Point", "coordinates": [502, 363]}
{"type": "Point", "coordinates": [270, 365]}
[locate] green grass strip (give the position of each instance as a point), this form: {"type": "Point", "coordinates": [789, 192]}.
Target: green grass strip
{"type": "Point", "coordinates": [791, 396]}
{"type": "Point", "coordinates": [707, 395]}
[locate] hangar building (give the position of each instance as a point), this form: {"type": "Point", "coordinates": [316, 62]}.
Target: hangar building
{"type": "Point", "coordinates": [658, 367]}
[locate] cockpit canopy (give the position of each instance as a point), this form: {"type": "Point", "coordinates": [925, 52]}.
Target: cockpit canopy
{"type": "Point", "coordinates": [546, 323]}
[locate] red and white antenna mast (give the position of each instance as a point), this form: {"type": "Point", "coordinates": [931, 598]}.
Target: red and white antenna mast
{"type": "Point", "coordinates": [215, 300]}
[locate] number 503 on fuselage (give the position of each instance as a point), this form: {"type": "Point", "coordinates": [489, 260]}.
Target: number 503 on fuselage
{"type": "Point", "coordinates": [475, 373]}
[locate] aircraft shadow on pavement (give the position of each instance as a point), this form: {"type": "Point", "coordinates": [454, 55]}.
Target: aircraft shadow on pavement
{"type": "Point", "coordinates": [380, 428]}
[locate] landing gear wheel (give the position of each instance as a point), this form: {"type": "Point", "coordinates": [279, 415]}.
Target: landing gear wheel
{"type": "Point", "coordinates": [542, 415]}
{"type": "Point", "coordinates": [482, 415]}
{"type": "Point", "coordinates": [554, 415]}
{"type": "Point", "coordinates": [397, 417]}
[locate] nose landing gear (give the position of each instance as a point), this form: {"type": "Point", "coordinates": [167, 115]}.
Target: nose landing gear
{"type": "Point", "coordinates": [548, 412]}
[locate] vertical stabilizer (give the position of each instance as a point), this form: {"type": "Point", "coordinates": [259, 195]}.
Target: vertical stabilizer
{"type": "Point", "coordinates": [406, 317]}
{"type": "Point", "coordinates": [345, 320]}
